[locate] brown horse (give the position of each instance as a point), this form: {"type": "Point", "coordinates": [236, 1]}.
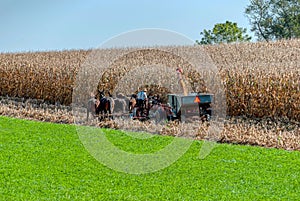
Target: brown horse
{"type": "Point", "coordinates": [100, 105]}
{"type": "Point", "coordinates": [132, 103]}
{"type": "Point", "coordinates": [105, 107]}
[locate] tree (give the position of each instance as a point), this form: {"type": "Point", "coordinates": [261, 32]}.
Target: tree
{"type": "Point", "coordinates": [227, 32]}
{"type": "Point", "coordinates": [274, 19]}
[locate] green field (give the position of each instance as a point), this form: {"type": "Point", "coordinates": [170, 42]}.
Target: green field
{"type": "Point", "coordinates": [44, 161]}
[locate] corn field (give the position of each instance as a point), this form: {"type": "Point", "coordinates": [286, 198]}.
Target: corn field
{"type": "Point", "coordinates": [260, 79]}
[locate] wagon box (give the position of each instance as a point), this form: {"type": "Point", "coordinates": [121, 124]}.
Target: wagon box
{"type": "Point", "coordinates": [191, 105]}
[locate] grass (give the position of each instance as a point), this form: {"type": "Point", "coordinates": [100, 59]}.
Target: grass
{"type": "Point", "coordinates": [44, 161]}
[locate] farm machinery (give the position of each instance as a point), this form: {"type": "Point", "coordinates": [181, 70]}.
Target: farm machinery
{"type": "Point", "coordinates": [179, 106]}
{"type": "Point", "coordinates": [183, 107]}
{"type": "Point", "coordinates": [189, 106]}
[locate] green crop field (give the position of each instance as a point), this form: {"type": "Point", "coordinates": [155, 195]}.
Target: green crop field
{"type": "Point", "coordinates": [45, 161]}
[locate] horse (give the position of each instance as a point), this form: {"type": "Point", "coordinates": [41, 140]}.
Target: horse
{"type": "Point", "coordinates": [112, 104]}
{"type": "Point", "coordinates": [122, 102]}
{"type": "Point", "coordinates": [92, 104]}
{"type": "Point", "coordinates": [119, 103]}
{"type": "Point", "coordinates": [105, 107]}
{"type": "Point", "coordinates": [100, 105]}
{"type": "Point", "coordinates": [132, 103]}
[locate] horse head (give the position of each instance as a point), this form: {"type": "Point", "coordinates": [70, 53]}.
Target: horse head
{"type": "Point", "coordinates": [101, 94]}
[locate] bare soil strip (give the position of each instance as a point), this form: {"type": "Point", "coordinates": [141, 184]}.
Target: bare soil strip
{"type": "Point", "coordinates": [266, 132]}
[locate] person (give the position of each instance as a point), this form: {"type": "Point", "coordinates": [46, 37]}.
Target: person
{"type": "Point", "coordinates": [142, 97]}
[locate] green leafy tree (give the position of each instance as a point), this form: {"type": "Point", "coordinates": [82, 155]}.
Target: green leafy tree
{"type": "Point", "coordinates": [227, 32]}
{"type": "Point", "coordinates": [274, 19]}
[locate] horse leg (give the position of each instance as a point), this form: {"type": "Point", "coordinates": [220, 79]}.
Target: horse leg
{"type": "Point", "coordinates": [106, 111]}
{"type": "Point", "coordinates": [87, 115]}
{"type": "Point", "coordinates": [109, 111]}
{"type": "Point", "coordinates": [101, 115]}
{"type": "Point", "coordinates": [98, 112]}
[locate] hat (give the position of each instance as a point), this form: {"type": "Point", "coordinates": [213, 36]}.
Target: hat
{"type": "Point", "coordinates": [145, 89]}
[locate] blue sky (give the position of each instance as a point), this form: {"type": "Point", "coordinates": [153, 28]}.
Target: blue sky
{"type": "Point", "coordinates": [41, 25]}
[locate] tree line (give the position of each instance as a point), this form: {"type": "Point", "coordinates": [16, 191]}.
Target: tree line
{"type": "Point", "coordinates": [269, 19]}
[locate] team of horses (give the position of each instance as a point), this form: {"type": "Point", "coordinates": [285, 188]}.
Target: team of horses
{"type": "Point", "coordinates": [103, 107]}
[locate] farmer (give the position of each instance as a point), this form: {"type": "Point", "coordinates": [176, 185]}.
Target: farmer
{"type": "Point", "coordinates": [142, 97]}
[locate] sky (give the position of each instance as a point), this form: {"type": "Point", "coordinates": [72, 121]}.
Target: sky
{"type": "Point", "coordinates": [47, 25]}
